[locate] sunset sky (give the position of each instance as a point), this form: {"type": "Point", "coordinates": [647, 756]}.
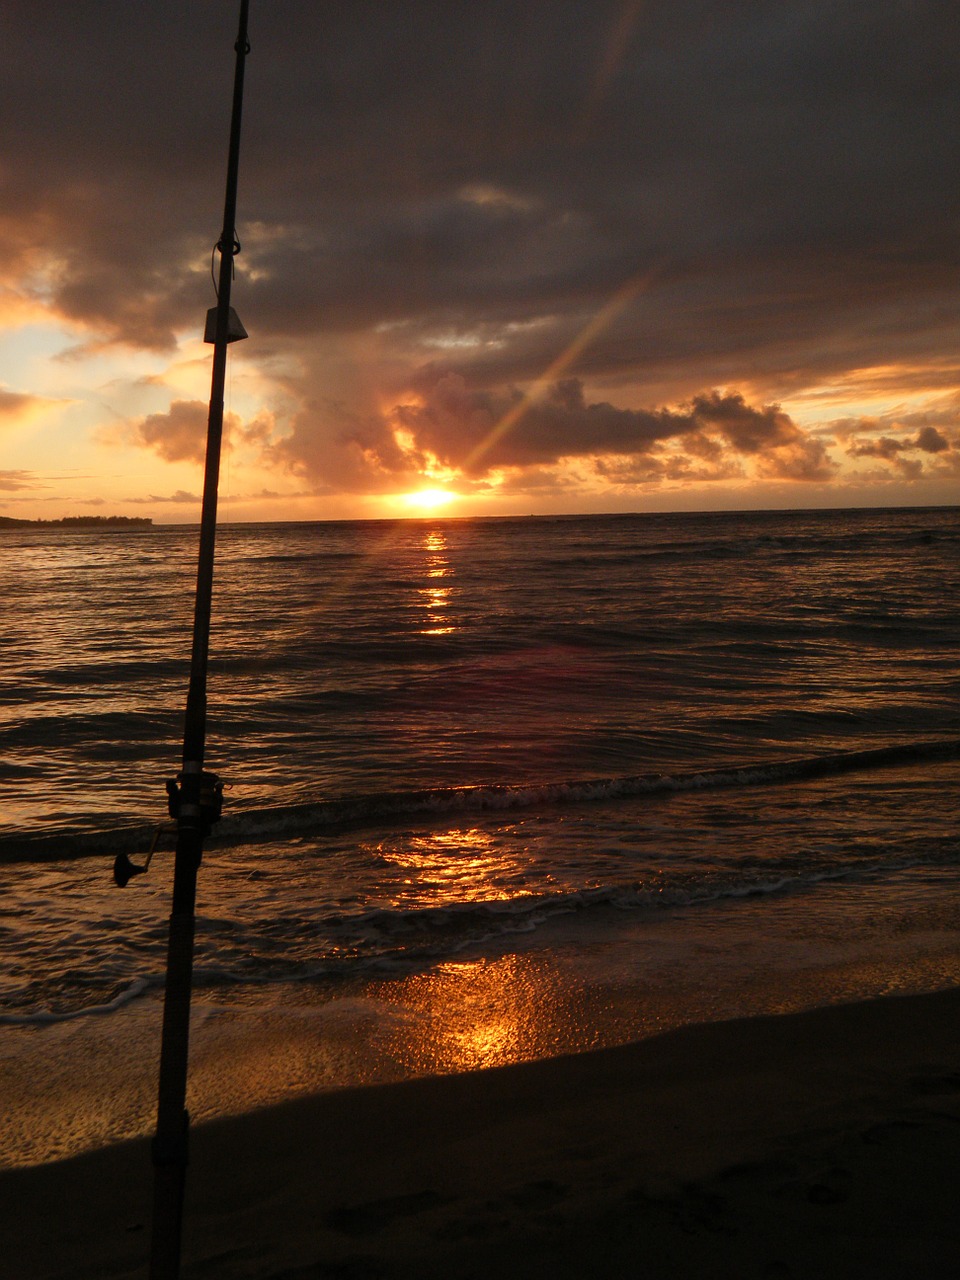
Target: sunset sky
{"type": "Point", "coordinates": [551, 256]}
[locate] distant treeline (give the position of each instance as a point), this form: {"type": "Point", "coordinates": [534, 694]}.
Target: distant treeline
{"type": "Point", "coordinates": [78, 522]}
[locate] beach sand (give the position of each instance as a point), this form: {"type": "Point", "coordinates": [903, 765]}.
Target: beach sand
{"type": "Point", "coordinates": [819, 1144]}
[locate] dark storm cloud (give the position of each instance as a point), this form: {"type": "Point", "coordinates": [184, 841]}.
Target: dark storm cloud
{"type": "Point", "coordinates": [718, 133]}
{"type": "Point", "coordinates": [472, 184]}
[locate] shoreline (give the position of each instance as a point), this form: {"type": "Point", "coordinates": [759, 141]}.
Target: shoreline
{"type": "Point", "coordinates": [575, 984]}
{"type": "Point", "coordinates": [808, 1145]}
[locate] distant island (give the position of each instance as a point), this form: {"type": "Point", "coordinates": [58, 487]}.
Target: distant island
{"type": "Point", "coordinates": [78, 522]}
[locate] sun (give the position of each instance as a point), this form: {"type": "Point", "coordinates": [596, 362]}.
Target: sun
{"type": "Point", "coordinates": [428, 499]}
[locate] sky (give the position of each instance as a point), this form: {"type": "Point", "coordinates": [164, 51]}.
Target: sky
{"type": "Point", "coordinates": [558, 256]}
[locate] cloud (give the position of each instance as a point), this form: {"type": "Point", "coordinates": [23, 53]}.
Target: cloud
{"type": "Point", "coordinates": [457, 193]}
{"type": "Point", "coordinates": [180, 497]}
{"type": "Point", "coordinates": [454, 424]}
{"type": "Point", "coordinates": [936, 423]}
{"type": "Point", "coordinates": [384, 179]}
{"type": "Point", "coordinates": [933, 429]}
{"type": "Point", "coordinates": [930, 440]}
{"type": "Point", "coordinates": [180, 434]}
{"type": "Point", "coordinates": [13, 481]}
{"type": "Point", "coordinates": [894, 450]}
{"type": "Point", "coordinates": [18, 406]}
{"type": "Point", "coordinates": [921, 443]}
{"type": "Point", "coordinates": [783, 449]}
{"type": "Point", "coordinates": [884, 447]}
{"type": "Point", "coordinates": [12, 403]}
{"type": "Point", "coordinates": [462, 427]}
{"type": "Point", "coordinates": [473, 433]}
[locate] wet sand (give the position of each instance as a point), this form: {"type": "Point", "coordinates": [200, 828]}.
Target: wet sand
{"type": "Point", "coordinates": [813, 1145]}
{"type": "Point", "coordinates": [570, 986]}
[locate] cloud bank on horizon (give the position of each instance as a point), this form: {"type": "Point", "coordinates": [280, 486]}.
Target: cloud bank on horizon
{"type": "Point", "coordinates": [613, 255]}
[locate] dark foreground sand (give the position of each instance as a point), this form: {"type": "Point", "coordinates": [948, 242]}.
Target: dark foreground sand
{"type": "Point", "coordinates": [816, 1145]}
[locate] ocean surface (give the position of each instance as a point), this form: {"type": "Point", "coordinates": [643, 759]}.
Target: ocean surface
{"type": "Point", "coordinates": [487, 780]}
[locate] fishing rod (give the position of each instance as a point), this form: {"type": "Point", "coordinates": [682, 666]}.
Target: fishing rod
{"type": "Point", "coordinates": [195, 796]}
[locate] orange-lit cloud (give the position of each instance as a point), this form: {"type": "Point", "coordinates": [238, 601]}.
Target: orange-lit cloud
{"type": "Point", "coordinates": [463, 428]}
{"type": "Point", "coordinates": [180, 434]}
{"type": "Point", "coordinates": [18, 406]}
{"type": "Point", "coordinates": [13, 481]}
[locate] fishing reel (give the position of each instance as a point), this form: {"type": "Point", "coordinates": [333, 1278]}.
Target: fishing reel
{"type": "Point", "coordinates": [188, 804]}
{"type": "Point", "coordinates": [202, 805]}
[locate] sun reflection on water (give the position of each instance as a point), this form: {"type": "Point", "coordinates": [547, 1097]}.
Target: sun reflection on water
{"type": "Point", "coordinates": [466, 1014]}
{"type": "Point", "coordinates": [436, 600]}
{"type": "Point", "coordinates": [455, 868]}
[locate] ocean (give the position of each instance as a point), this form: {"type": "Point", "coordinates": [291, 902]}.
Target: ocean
{"type": "Point", "coordinates": [495, 789]}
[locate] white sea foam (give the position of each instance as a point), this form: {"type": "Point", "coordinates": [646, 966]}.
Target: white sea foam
{"type": "Point", "coordinates": [44, 1018]}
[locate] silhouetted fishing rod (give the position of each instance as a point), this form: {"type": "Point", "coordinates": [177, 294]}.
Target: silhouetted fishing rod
{"type": "Point", "coordinates": [194, 796]}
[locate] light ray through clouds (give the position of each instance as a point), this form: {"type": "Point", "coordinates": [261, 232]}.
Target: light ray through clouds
{"type": "Point", "coordinates": [614, 53]}
{"type": "Point", "coordinates": [561, 365]}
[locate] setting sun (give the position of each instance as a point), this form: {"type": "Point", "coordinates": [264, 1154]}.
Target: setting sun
{"type": "Point", "coordinates": [428, 499]}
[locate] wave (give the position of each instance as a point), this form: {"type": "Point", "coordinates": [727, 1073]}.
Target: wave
{"type": "Point", "coordinates": [386, 807]}
{"type": "Point", "coordinates": [320, 948]}
{"type": "Point", "coordinates": [46, 1017]}
{"type": "Point", "coordinates": [382, 940]}
{"type": "Point", "coordinates": [372, 809]}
